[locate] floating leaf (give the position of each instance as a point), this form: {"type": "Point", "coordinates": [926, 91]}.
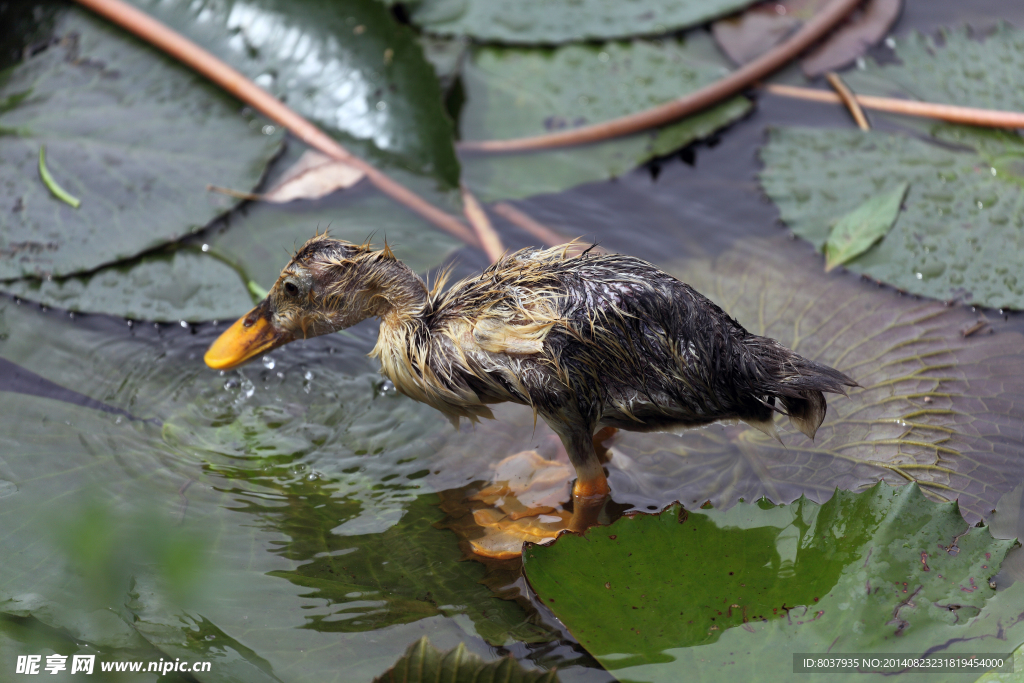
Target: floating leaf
{"type": "Point", "coordinates": [350, 68]}
{"type": "Point", "coordinates": [184, 284]}
{"type": "Point", "coordinates": [853, 38]}
{"type": "Point", "coordinates": [424, 663]}
{"type": "Point", "coordinates": [512, 92]}
{"type": "Point", "coordinates": [132, 133]}
{"type": "Point", "coordinates": [762, 27]}
{"type": "Point", "coordinates": [884, 571]}
{"type": "Point", "coordinates": [857, 231]}
{"type": "Point", "coordinates": [959, 234]}
{"type": "Point", "coordinates": [249, 246]}
{"type": "Point", "coordinates": [537, 22]}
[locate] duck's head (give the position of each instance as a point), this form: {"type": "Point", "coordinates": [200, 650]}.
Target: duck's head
{"type": "Point", "coordinates": [328, 285]}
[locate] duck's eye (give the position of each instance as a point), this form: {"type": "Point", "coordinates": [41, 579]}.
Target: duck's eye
{"type": "Point", "coordinates": [291, 289]}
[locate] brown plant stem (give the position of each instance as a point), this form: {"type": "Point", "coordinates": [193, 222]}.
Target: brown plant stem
{"type": "Point", "coordinates": [534, 227]}
{"type": "Point", "coordinates": [195, 57]}
{"type": "Point", "coordinates": [990, 118]}
{"type": "Point", "coordinates": [823, 22]}
{"type": "Point", "coordinates": [847, 97]}
{"type": "Point", "coordinates": [481, 224]}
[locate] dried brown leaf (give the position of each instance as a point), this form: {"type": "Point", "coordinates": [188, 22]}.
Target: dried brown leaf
{"type": "Point", "coordinates": [313, 176]}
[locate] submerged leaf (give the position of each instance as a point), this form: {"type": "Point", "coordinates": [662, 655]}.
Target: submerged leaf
{"type": "Point", "coordinates": [424, 663]}
{"type": "Point", "coordinates": [884, 571]}
{"type": "Point", "coordinates": [762, 27]}
{"type": "Point", "coordinates": [857, 231]}
{"type": "Point", "coordinates": [534, 22]}
{"type": "Point", "coordinates": [515, 92]}
{"type": "Point", "coordinates": [137, 133]}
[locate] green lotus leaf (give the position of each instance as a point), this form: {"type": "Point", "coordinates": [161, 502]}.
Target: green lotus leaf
{"type": "Point", "coordinates": [350, 68]}
{"type": "Point", "coordinates": [208, 279]}
{"type": "Point", "coordinates": [740, 592]}
{"type": "Point", "coordinates": [424, 663]}
{"type": "Point", "coordinates": [535, 22]}
{"type": "Point", "coordinates": [959, 235]}
{"type": "Point", "coordinates": [132, 134]}
{"type": "Point", "coordinates": [515, 92]}
{"type": "Point", "coordinates": [857, 231]}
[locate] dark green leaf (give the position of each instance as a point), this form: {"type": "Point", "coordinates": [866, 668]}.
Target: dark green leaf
{"type": "Point", "coordinates": [250, 245]}
{"type": "Point", "coordinates": [884, 571]}
{"type": "Point", "coordinates": [540, 22]}
{"type": "Point", "coordinates": [348, 67]}
{"type": "Point", "coordinates": [857, 231]}
{"type": "Point", "coordinates": [517, 92]}
{"type": "Point", "coordinates": [132, 134]}
{"type": "Point", "coordinates": [424, 663]}
{"type": "Point", "coordinates": [959, 234]}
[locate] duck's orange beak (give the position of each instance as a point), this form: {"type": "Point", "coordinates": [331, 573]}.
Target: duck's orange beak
{"type": "Point", "coordinates": [252, 334]}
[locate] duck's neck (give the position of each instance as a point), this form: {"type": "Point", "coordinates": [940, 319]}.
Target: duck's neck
{"type": "Point", "coordinates": [397, 295]}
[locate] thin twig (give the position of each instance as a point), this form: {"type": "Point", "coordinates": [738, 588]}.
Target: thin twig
{"type": "Point", "coordinates": [542, 232]}
{"type": "Point", "coordinates": [193, 56]}
{"type": "Point", "coordinates": [991, 118]}
{"type": "Point", "coordinates": [235, 193]}
{"type": "Point", "coordinates": [516, 217]}
{"type": "Point", "coordinates": [712, 94]}
{"type": "Point", "coordinates": [481, 224]}
{"type": "Point", "coordinates": [848, 99]}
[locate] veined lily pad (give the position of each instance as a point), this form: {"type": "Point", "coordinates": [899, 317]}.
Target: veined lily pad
{"type": "Point", "coordinates": [539, 22]}
{"type": "Point", "coordinates": [350, 68]}
{"type": "Point", "coordinates": [514, 92]}
{"type": "Point", "coordinates": [960, 232]}
{"type": "Point", "coordinates": [884, 571]}
{"type": "Point", "coordinates": [132, 134]}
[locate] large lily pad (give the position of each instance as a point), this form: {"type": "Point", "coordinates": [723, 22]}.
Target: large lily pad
{"type": "Point", "coordinates": [881, 572]}
{"type": "Point", "coordinates": [135, 136]}
{"type": "Point", "coordinates": [251, 244]}
{"type": "Point", "coordinates": [512, 92]}
{"type": "Point", "coordinates": [350, 68]}
{"type": "Point", "coordinates": [539, 22]}
{"type": "Point", "coordinates": [959, 234]}
{"type": "Point", "coordinates": [934, 406]}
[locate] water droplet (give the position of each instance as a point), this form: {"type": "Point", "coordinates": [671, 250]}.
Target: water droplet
{"type": "Point", "coordinates": [269, 130]}
{"type": "Point", "coordinates": [918, 275]}
{"type": "Point", "coordinates": [993, 171]}
{"type": "Point", "coordinates": [386, 388]}
{"type": "Point", "coordinates": [268, 362]}
{"type": "Point", "coordinates": [183, 323]}
{"type": "Point", "coordinates": [382, 105]}
{"type": "Point", "coordinates": [206, 247]}
{"type": "Point", "coordinates": [308, 376]}
{"type": "Point", "coordinates": [890, 43]}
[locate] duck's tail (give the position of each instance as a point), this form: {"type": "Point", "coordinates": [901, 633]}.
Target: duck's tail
{"type": "Point", "coordinates": [799, 385]}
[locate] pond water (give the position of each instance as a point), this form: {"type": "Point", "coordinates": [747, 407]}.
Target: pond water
{"type": "Point", "coordinates": [317, 506]}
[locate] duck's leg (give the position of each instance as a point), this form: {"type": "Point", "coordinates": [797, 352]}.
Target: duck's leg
{"type": "Point", "coordinates": [590, 491]}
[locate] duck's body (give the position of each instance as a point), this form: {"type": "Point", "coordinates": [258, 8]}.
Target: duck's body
{"type": "Point", "coordinates": [587, 341]}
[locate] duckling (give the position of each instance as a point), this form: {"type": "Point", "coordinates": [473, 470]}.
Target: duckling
{"type": "Point", "coordinates": [588, 341]}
